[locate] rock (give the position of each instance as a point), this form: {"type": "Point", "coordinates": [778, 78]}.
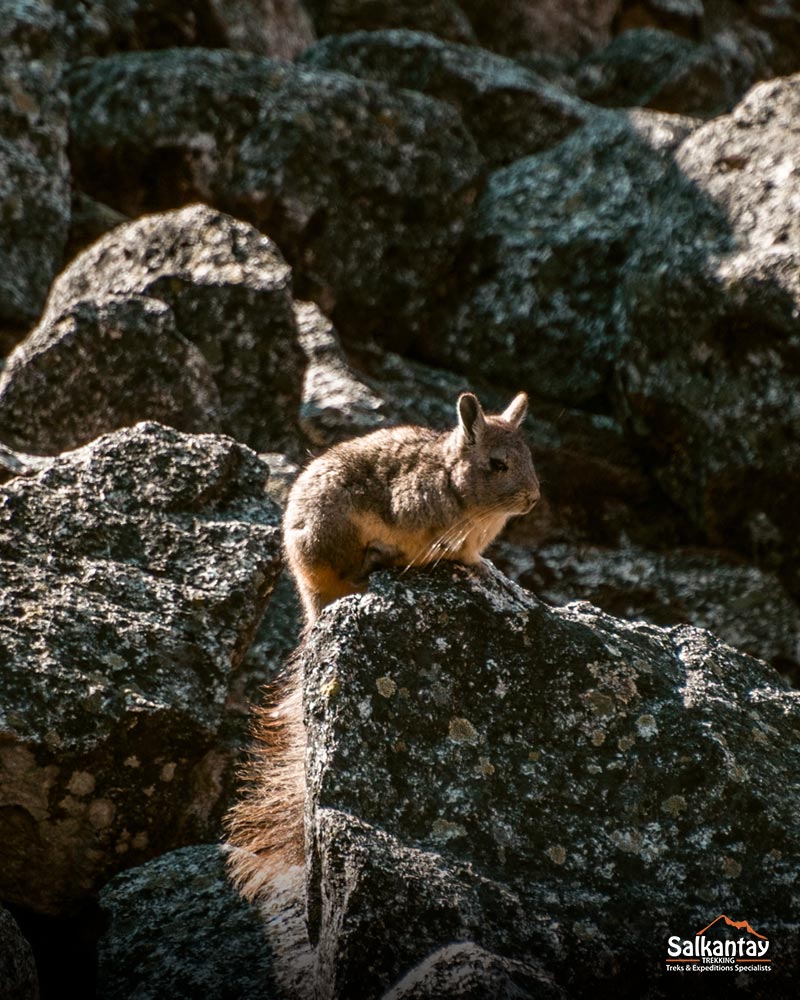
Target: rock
{"type": "Point", "coordinates": [510, 111]}
{"type": "Point", "coordinates": [444, 18]}
{"type": "Point", "coordinates": [710, 316]}
{"type": "Point", "coordinates": [100, 365]}
{"type": "Point", "coordinates": [552, 784]}
{"type": "Point", "coordinates": [745, 607]}
{"type": "Point", "coordinates": [34, 173]}
{"type": "Point", "coordinates": [742, 44]}
{"type": "Point", "coordinates": [89, 221]}
{"type": "Point", "coordinates": [472, 973]}
{"type": "Point", "coordinates": [279, 28]}
{"type": "Point", "coordinates": [228, 290]}
{"type": "Point", "coordinates": [365, 190]}
{"type": "Point", "coordinates": [14, 463]}
{"type": "Point", "coordinates": [336, 404]}
{"type": "Point", "coordinates": [531, 303]}
{"type": "Point", "coordinates": [135, 571]}
{"type": "Point", "coordinates": [656, 69]}
{"type": "Point", "coordinates": [542, 26]}
{"type": "Point", "coordinates": [178, 929]}
{"type": "Point", "coordinates": [18, 978]}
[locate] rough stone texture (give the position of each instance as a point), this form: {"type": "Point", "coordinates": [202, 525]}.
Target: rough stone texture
{"type": "Point", "coordinates": [34, 173]}
{"type": "Point", "coordinates": [709, 311]}
{"type": "Point", "coordinates": [365, 190]}
{"type": "Point", "coordinates": [472, 973]}
{"type": "Point", "coordinates": [13, 463]}
{"type": "Point", "coordinates": [542, 26]}
{"type": "Point", "coordinates": [660, 70]}
{"type": "Point", "coordinates": [554, 785]}
{"type": "Point", "coordinates": [742, 42]}
{"type": "Point", "coordinates": [649, 68]}
{"type": "Point", "coordinates": [444, 18]}
{"type": "Point", "coordinates": [509, 110]}
{"type": "Point", "coordinates": [228, 290]}
{"type": "Point", "coordinates": [745, 607]}
{"type": "Point", "coordinates": [18, 978]}
{"type": "Point", "coordinates": [279, 28]}
{"type": "Point", "coordinates": [134, 572]}
{"type": "Point", "coordinates": [532, 295]}
{"type": "Point", "coordinates": [336, 403]}
{"type": "Point", "coordinates": [100, 365]}
{"type": "Point", "coordinates": [178, 929]}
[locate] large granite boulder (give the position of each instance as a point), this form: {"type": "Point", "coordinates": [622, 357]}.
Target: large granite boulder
{"type": "Point", "coordinates": [365, 190]}
{"type": "Point", "coordinates": [558, 787]}
{"type": "Point", "coordinates": [184, 317]}
{"type": "Point", "coordinates": [34, 172]}
{"type": "Point", "coordinates": [510, 111]}
{"type": "Point", "coordinates": [134, 572]}
{"type": "Point", "coordinates": [99, 365]}
{"type": "Point", "coordinates": [710, 316]}
{"type": "Point", "coordinates": [532, 298]}
{"type": "Point", "coordinates": [279, 28]}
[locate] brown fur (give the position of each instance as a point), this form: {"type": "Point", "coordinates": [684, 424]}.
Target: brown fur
{"type": "Point", "coordinates": [401, 497]}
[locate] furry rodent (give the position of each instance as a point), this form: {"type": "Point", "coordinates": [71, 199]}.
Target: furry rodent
{"type": "Point", "coordinates": [400, 497]}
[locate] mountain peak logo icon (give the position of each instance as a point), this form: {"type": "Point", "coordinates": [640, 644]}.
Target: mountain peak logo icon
{"type": "Point", "coordinates": [739, 925]}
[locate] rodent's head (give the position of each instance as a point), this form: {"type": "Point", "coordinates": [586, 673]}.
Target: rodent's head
{"type": "Point", "coordinates": [492, 465]}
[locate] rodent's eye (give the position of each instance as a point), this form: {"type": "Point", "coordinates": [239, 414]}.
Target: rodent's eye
{"type": "Point", "coordinates": [498, 465]}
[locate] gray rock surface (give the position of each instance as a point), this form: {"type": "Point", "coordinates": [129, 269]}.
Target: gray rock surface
{"type": "Point", "coordinates": [34, 173]}
{"type": "Point", "coordinates": [100, 365]}
{"type": "Point", "coordinates": [554, 785]}
{"type": "Point", "coordinates": [178, 929]}
{"type": "Point", "coordinates": [709, 312]}
{"type": "Point", "coordinates": [279, 28]}
{"type": "Point", "coordinates": [337, 404]}
{"type": "Point", "coordinates": [532, 297]}
{"type": "Point", "coordinates": [472, 973]}
{"type": "Point", "coordinates": [18, 978]}
{"type": "Point", "coordinates": [510, 111]}
{"type": "Point", "coordinates": [745, 607]}
{"type": "Point", "coordinates": [649, 68]}
{"type": "Point", "coordinates": [206, 278]}
{"type": "Point", "coordinates": [444, 18]}
{"type": "Point", "coordinates": [336, 170]}
{"type": "Point", "coordinates": [134, 572]}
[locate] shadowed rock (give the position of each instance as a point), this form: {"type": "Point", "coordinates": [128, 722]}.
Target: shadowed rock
{"type": "Point", "coordinates": [510, 111]}
{"type": "Point", "coordinates": [532, 298]}
{"type": "Point", "coordinates": [443, 18]}
{"type": "Point", "coordinates": [178, 929]}
{"type": "Point", "coordinates": [18, 978]}
{"type": "Point", "coordinates": [134, 573]}
{"type": "Point", "coordinates": [365, 190]}
{"type": "Point", "coordinates": [34, 173]}
{"type": "Point", "coordinates": [279, 28]}
{"type": "Point", "coordinates": [185, 317]}
{"type": "Point", "coordinates": [711, 326]}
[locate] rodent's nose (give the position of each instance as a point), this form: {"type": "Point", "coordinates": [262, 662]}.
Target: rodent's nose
{"type": "Point", "coordinates": [530, 497]}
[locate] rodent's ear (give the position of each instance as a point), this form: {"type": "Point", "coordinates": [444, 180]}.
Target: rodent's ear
{"type": "Point", "coordinates": [515, 412]}
{"type": "Point", "coordinates": [470, 417]}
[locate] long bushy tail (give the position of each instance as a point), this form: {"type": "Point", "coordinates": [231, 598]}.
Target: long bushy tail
{"type": "Point", "coordinates": [265, 828]}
